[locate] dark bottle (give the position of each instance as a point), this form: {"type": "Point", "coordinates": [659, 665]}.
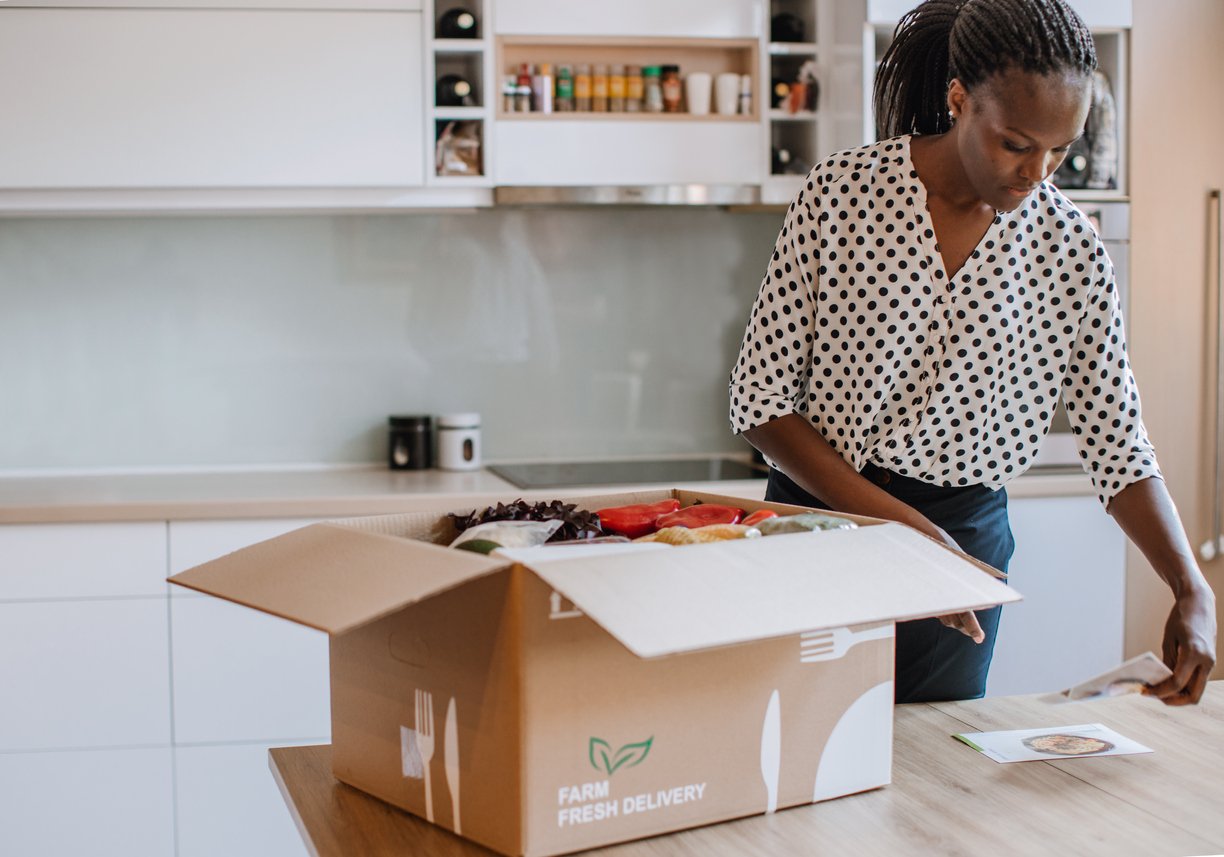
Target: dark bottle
{"type": "Point", "coordinates": [785, 27]}
{"type": "Point", "coordinates": [453, 90]}
{"type": "Point", "coordinates": [410, 443]}
{"type": "Point", "coordinates": [457, 24]}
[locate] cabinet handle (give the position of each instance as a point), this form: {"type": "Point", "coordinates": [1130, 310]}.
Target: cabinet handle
{"type": "Point", "coordinates": [1214, 546]}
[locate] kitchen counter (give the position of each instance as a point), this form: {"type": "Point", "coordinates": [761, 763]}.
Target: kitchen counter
{"type": "Point", "coordinates": [330, 492]}
{"type": "Point", "coordinates": [945, 798]}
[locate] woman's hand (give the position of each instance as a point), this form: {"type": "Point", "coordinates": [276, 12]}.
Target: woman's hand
{"type": "Point", "coordinates": [1189, 649]}
{"type": "Point", "coordinates": [966, 623]}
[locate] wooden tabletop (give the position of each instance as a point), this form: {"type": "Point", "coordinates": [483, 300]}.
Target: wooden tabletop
{"type": "Point", "coordinates": [945, 797]}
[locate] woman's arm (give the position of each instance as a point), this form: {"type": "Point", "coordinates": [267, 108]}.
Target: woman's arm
{"type": "Point", "coordinates": [803, 454]}
{"type": "Point", "coordinates": [1145, 512]}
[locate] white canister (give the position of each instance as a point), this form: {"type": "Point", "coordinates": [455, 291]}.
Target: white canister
{"type": "Point", "coordinates": [459, 442]}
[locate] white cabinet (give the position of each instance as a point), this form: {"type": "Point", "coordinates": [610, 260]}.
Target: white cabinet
{"type": "Point", "coordinates": [673, 18]}
{"type": "Point", "coordinates": [578, 153]}
{"type": "Point", "coordinates": [229, 804]}
{"type": "Point", "coordinates": [104, 803]}
{"type": "Point", "coordinates": [82, 560]}
{"type": "Point", "coordinates": [243, 681]}
{"type": "Point", "coordinates": [84, 674]}
{"type": "Point", "coordinates": [1070, 566]}
{"type": "Point", "coordinates": [240, 675]}
{"type": "Point", "coordinates": [220, 98]}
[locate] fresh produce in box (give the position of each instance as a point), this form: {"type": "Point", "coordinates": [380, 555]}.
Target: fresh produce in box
{"type": "Point", "coordinates": [574, 524]}
{"type": "Point", "coordinates": [758, 516]}
{"type": "Point", "coordinates": [701, 515]}
{"type": "Point", "coordinates": [638, 519]}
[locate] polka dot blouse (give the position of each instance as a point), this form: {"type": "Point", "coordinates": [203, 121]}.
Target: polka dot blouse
{"type": "Point", "coordinates": [949, 380]}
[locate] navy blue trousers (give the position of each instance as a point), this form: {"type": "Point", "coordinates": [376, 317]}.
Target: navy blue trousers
{"type": "Point", "coordinates": [935, 663]}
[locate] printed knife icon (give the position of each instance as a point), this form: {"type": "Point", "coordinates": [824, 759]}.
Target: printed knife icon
{"type": "Point", "coordinates": [771, 751]}
{"type": "Point", "coordinates": [450, 750]}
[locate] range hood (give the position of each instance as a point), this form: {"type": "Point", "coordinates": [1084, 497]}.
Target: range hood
{"type": "Point", "coordinates": [658, 194]}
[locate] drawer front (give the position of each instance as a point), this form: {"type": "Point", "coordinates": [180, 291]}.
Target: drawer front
{"type": "Point", "coordinates": [196, 542]}
{"type": "Point", "coordinates": [103, 803]}
{"type": "Point", "coordinates": [84, 674]}
{"type": "Point", "coordinates": [229, 804]}
{"type": "Point", "coordinates": [44, 561]}
{"type": "Point", "coordinates": [242, 675]}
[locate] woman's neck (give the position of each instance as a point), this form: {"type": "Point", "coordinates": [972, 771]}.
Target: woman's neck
{"type": "Point", "coordinates": [938, 164]}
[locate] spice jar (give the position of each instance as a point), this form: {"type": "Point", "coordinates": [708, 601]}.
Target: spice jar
{"type": "Point", "coordinates": [565, 89]}
{"type": "Point", "coordinates": [616, 89]}
{"type": "Point", "coordinates": [653, 89]}
{"type": "Point", "coordinates": [409, 444]}
{"type": "Point", "coordinates": [582, 88]}
{"type": "Point", "coordinates": [599, 89]}
{"type": "Point", "coordinates": [459, 442]}
{"type": "Point", "coordinates": [633, 89]}
{"type": "Point", "coordinates": [670, 81]}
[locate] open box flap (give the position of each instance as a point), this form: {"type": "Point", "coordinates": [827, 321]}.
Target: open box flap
{"type": "Point", "coordinates": [334, 577]}
{"type": "Point", "coordinates": [699, 596]}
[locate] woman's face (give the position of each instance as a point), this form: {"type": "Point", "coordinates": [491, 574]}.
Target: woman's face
{"type": "Point", "coordinates": [1014, 129]}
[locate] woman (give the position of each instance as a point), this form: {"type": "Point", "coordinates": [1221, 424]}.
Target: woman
{"type": "Point", "coordinates": [929, 300]}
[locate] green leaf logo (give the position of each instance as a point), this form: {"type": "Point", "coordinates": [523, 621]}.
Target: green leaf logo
{"type": "Point", "coordinates": [603, 759]}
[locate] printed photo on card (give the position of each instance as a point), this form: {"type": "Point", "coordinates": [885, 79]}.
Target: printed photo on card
{"type": "Point", "coordinates": [1052, 742]}
{"type": "Point", "coordinates": [1129, 677]}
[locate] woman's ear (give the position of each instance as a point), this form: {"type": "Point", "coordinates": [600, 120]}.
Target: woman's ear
{"type": "Point", "coordinates": [957, 95]}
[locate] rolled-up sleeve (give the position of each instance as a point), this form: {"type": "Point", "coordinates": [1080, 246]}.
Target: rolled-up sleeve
{"type": "Point", "coordinates": [1101, 397]}
{"type": "Point", "coordinates": [774, 365]}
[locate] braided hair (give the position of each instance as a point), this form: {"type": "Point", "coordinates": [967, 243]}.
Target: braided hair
{"type": "Point", "coordinates": [971, 40]}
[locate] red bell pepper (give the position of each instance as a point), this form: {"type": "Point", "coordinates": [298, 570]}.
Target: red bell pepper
{"type": "Point", "coordinates": [758, 516]}
{"type": "Point", "coordinates": [701, 515]}
{"type": "Point", "coordinates": [639, 519]}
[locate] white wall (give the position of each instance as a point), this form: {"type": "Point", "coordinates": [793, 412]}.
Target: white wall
{"type": "Point", "coordinates": [134, 342]}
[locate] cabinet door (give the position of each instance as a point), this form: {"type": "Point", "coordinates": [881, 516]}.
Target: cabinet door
{"type": "Point", "coordinates": [228, 804]}
{"type": "Point", "coordinates": [239, 674]}
{"type": "Point", "coordinates": [699, 18]}
{"type": "Point", "coordinates": [575, 153]}
{"type": "Point", "coordinates": [48, 561]}
{"type": "Point", "coordinates": [104, 803]}
{"type": "Point", "coordinates": [192, 98]}
{"type": "Point", "coordinates": [1070, 566]}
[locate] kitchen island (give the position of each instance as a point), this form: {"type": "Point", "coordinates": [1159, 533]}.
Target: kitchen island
{"type": "Point", "coordinates": [945, 798]}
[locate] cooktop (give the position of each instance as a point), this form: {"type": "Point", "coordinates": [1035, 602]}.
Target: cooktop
{"type": "Point", "coordinates": [551, 474]}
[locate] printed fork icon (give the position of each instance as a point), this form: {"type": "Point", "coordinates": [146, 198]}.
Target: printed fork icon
{"type": "Point", "coordinates": [832, 644]}
{"type": "Point", "coordinates": [425, 742]}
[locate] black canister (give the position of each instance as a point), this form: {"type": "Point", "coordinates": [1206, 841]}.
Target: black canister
{"type": "Point", "coordinates": [410, 443]}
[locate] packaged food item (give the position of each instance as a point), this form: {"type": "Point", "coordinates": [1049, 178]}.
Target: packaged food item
{"type": "Point", "coordinates": [458, 150]}
{"type": "Point", "coordinates": [599, 89]}
{"type": "Point", "coordinates": [806, 522]}
{"type": "Point", "coordinates": [701, 515]}
{"type": "Point", "coordinates": [634, 90]}
{"type": "Point", "coordinates": [542, 89]}
{"type": "Point", "coordinates": [509, 91]}
{"type": "Point", "coordinates": [582, 88]}
{"type": "Point", "coordinates": [616, 89]}
{"type": "Point", "coordinates": [564, 101]}
{"type": "Point", "coordinates": [637, 519]}
{"type": "Point", "coordinates": [486, 538]}
{"type": "Point", "coordinates": [673, 96]}
{"type": "Point", "coordinates": [701, 535]}
{"type": "Point", "coordinates": [652, 87]}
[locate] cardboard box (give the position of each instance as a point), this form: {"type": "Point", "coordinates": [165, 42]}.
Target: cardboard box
{"type": "Point", "coordinates": [563, 698]}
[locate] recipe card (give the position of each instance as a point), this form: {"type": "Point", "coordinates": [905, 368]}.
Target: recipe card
{"type": "Point", "coordinates": [1052, 742]}
{"type": "Point", "coordinates": [1129, 677]}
